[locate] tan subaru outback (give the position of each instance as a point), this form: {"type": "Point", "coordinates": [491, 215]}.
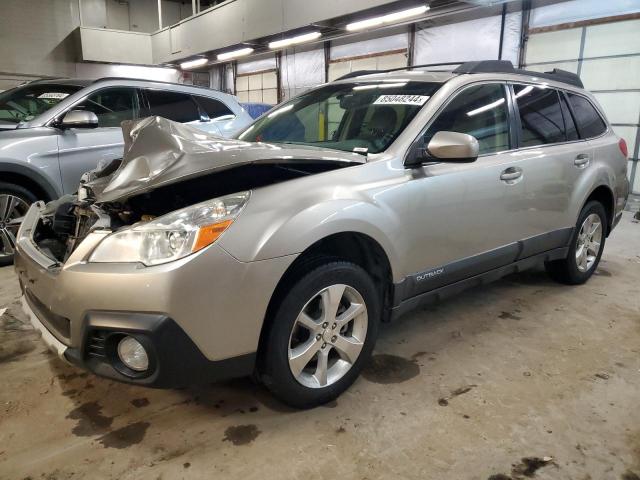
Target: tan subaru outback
{"type": "Point", "coordinates": [279, 253]}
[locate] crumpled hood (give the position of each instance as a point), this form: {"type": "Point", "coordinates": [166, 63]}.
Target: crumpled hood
{"type": "Point", "coordinates": [159, 152]}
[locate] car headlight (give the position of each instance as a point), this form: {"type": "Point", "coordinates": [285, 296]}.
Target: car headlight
{"type": "Point", "coordinates": [174, 235]}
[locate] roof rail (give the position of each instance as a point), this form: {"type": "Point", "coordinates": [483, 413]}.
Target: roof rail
{"type": "Point", "coordinates": [357, 73]}
{"type": "Point", "coordinates": [505, 66]}
{"type": "Point", "coordinates": [155, 81]}
{"type": "Point", "coordinates": [483, 66]}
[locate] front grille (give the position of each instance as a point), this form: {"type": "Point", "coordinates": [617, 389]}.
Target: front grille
{"type": "Point", "coordinates": [62, 325]}
{"type": "Point", "coordinates": [96, 344]}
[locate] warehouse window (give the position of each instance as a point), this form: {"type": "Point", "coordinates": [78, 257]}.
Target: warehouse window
{"type": "Point", "coordinates": [540, 115]}
{"type": "Point", "coordinates": [480, 111]}
{"type": "Point", "coordinates": [590, 124]}
{"type": "Point", "coordinates": [258, 87]}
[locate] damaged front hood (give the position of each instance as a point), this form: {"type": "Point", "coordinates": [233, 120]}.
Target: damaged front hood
{"type": "Point", "coordinates": [159, 152]}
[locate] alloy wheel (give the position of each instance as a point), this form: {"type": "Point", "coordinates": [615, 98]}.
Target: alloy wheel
{"type": "Point", "coordinates": [589, 242]}
{"type": "Point", "coordinates": [328, 336]}
{"type": "Point", "coordinates": [11, 208]}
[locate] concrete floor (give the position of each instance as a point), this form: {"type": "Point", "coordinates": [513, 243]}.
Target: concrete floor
{"type": "Point", "coordinates": [462, 390]}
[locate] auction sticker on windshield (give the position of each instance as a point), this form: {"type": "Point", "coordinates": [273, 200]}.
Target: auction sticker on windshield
{"type": "Point", "coordinates": [401, 100]}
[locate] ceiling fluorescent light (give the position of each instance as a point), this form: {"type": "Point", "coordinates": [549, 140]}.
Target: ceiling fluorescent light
{"type": "Point", "coordinates": [194, 63]}
{"type": "Point", "coordinates": [389, 18]}
{"type": "Point", "coordinates": [235, 53]}
{"type": "Point", "coordinates": [294, 40]}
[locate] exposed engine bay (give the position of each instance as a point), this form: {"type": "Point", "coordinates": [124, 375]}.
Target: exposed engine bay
{"type": "Point", "coordinates": [168, 166]}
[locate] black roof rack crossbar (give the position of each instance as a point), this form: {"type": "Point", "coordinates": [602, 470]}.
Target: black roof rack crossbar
{"type": "Point", "coordinates": [486, 66]}
{"type": "Point", "coordinates": [483, 66]}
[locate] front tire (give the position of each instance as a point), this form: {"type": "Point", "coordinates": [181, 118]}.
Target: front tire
{"type": "Point", "coordinates": [14, 203]}
{"type": "Point", "coordinates": [323, 332]}
{"type": "Point", "coordinates": [585, 250]}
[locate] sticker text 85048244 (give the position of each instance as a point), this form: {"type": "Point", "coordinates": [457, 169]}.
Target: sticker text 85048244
{"type": "Point", "coordinates": [401, 100]}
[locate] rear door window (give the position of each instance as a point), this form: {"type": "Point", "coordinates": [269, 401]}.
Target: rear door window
{"type": "Point", "coordinates": [175, 106]}
{"type": "Point", "coordinates": [541, 120]}
{"type": "Point", "coordinates": [590, 123]}
{"type": "Point", "coordinates": [214, 109]}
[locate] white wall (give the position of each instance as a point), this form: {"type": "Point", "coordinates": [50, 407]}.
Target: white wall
{"type": "Point", "coordinates": [102, 45]}
{"type": "Point", "coordinates": [576, 10]}
{"type": "Point", "coordinates": [368, 43]}
{"type": "Point", "coordinates": [117, 15]}
{"type": "Point", "coordinates": [37, 37]}
{"type": "Point", "coordinates": [302, 68]}
{"type": "Point", "coordinates": [477, 39]}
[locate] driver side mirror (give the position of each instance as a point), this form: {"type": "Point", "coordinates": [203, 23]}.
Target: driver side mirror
{"type": "Point", "coordinates": [79, 119]}
{"type": "Point", "coordinates": [444, 147]}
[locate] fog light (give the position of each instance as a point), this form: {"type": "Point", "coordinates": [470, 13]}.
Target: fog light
{"type": "Point", "coordinates": [133, 354]}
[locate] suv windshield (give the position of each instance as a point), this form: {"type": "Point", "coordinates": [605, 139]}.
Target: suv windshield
{"type": "Point", "coordinates": [364, 117]}
{"type": "Point", "coordinates": [25, 103]}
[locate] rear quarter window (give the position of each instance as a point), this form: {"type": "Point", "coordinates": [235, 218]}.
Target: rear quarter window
{"type": "Point", "coordinates": [589, 122]}
{"type": "Point", "coordinates": [214, 108]}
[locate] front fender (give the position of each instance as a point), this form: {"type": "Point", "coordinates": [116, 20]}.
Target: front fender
{"type": "Point", "coordinates": [41, 177]}
{"type": "Point", "coordinates": [293, 234]}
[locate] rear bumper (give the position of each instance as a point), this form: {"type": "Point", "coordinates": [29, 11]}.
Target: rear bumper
{"type": "Point", "coordinates": [175, 361]}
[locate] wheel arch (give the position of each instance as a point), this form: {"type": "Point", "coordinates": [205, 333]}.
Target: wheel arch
{"type": "Point", "coordinates": [30, 179]}
{"type": "Point", "coordinates": [351, 246]}
{"type": "Point", "coordinates": [604, 195]}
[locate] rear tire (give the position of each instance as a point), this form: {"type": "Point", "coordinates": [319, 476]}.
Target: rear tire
{"type": "Point", "coordinates": [14, 203]}
{"type": "Point", "coordinates": [585, 249]}
{"type": "Point", "coordinates": [323, 332]}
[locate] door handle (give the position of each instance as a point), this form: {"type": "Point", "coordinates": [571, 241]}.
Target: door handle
{"type": "Point", "coordinates": [511, 175]}
{"type": "Point", "coordinates": [582, 160]}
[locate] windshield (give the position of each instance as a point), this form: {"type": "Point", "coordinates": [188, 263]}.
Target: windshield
{"type": "Point", "coordinates": [363, 117]}
{"type": "Point", "coordinates": [25, 103]}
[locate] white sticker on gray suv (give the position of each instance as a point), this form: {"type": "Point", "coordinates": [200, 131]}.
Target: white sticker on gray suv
{"type": "Point", "coordinates": [401, 100]}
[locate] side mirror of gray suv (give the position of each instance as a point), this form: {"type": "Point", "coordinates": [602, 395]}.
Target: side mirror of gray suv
{"type": "Point", "coordinates": [444, 147]}
{"type": "Point", "coordinates": [79, 119]}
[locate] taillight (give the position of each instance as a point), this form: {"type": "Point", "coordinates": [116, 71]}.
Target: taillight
{"type": "Point", "coordinates": [623, 148]}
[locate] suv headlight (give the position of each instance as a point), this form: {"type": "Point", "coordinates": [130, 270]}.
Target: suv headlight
{"type": "Point", "coordinates": [174, 235]}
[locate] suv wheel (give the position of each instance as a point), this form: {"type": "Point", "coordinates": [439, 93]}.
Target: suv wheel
{"type": "Point", "coordinates": [323, 332]}
{"type": "Point", "coordinates": [14, 203]}
{"type": "Point", "coordinates": [586, 247]}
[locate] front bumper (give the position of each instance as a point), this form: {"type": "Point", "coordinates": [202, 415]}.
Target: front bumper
{"type": "Point", "coordinates": [175, 361]}
{"type": "Point", "coordinates": [202, 314]}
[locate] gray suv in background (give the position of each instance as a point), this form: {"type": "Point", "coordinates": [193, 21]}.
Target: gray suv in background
{"type": "Point", "coordinates": [52, 131]}
{"type": "Point", "coordinates": [280, 252]}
